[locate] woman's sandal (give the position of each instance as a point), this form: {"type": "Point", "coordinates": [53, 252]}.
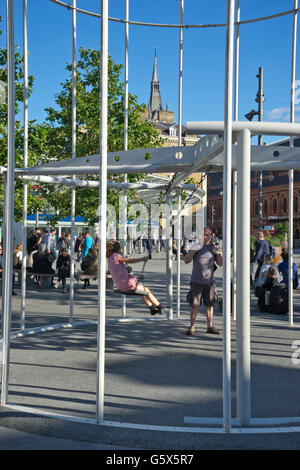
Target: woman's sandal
{"type": "Point", "coordinates": [190, 331]}
{"type": "Point", "coordinates": [213, 330]}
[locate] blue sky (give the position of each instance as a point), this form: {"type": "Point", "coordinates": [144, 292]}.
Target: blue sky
{"type": "Point", "coordinates": [266, 44]}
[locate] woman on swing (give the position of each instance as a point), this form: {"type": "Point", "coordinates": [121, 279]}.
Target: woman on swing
{"type": "Point", "coordinates": [124, 280]}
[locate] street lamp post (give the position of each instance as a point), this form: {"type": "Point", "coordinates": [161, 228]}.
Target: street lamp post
{"type": "Point", "coordinates": [259, 99]}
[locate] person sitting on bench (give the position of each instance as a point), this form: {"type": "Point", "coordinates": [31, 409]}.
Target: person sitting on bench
{"type": "Point", "coordinates": [128, 282]}
{"type": "Point", "coordinates": [17, 256]}
{"type": "Point", "coordinates": [42, 263]}
{"type": "Point", "coordinates": [90, 265]}
{"type": "Point", "coordinates": [271, 279]}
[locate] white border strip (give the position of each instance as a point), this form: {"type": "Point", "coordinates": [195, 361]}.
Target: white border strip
{"type": "Point", "coordinates": [149, 427]}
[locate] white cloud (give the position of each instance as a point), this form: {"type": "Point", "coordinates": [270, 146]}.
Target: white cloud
{"type": "Point", "coordinates": [281, 114]}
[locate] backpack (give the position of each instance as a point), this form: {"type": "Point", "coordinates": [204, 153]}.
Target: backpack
{"type": "Point", "coordinates": [279, 299]}
{"type": "Point", "coordinates": [271, 250]}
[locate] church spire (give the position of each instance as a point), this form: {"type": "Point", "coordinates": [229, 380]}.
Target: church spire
{"type": "Point", "coordinates": [155, 70]}
{"type": "Point", "coordinates": [155, 99]}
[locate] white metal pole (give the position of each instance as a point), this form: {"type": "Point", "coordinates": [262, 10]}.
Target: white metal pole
{"type": "Point", "coordinates": [227, 216]}
{"type": "Point", "coordinates": [126, 75]}
{"type": "Point", "coordinates": [169, 269]}
{"type": "Point", "coordinates": [73, 193]}
{"type": "Point", "coordinates": [25, 163]}
{"type": "Point", "coordinates": [234, 243]}
{"type": "Point", "coordinates": [237, 61]}
{"type": "Point", "coordinates": [291, 230]}
{"type": "Point", "coordinates": [234, 186]}
{"type": "Point", "coordinates": [178, 235]}
{"type": "Point", "coordinates": [291, 172]}
{"type": "Point", "coordinates": [125, 198]}
{"type": "Point", "coordinates": [243, 276]}
{"type": "Point", "coordinates": [102, 214]}
{"type": "Point", "coordinates": [9, 203]}
{"type": "Point", "coordinates": [180, 74]}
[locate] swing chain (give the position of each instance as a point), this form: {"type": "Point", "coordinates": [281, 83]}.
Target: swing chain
{"type": "Point", "coordinates": [141, 276]}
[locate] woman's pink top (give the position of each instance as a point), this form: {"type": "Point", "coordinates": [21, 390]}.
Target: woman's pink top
{"type": "Point", "coordinates": [121, 277]}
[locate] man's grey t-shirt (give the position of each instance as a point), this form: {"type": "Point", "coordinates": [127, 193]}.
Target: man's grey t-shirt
{"type": "Point", "coordinates": [203, 266]}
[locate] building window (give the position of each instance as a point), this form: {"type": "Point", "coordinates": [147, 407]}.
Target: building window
{"type": "Point", "coordinates": [265, 207]}
{"type": "Point", "coordinates": [284, 205]}
{"type": "Point", "coordinates": [296, 204]}
{"type": "Point", "coordinates": [256, 207]}
{"type": "Point", "coordinates": [172, 131]}
{"type": "Point", "coordinates": [275, 206]}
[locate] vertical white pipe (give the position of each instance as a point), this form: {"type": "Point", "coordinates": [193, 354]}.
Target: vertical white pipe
{"type": "Point", "coordinates": [243, 276]}
{"type": "Point", "coordinates": [125, 198]}
{"type": "Point", "coordinates": [169, 269]}
{"type": "Point", "coordinates": [234, 188]}
{"type": "Point", "coordinates": [227, 216]}
{"type": "Point", "coordinates": [291, 230]}
{"type": "Point", "coordinates": [237, 60]}
{"type": "Point", "coordinates": [234, 243]}
{"type": "Point", "coordinates": [178, 235]}
{"type": "Point", "coordinates": [102, 214]}
{"type": "Point", "coordinates": [9, 203]}
{"type": "Point", "coordinates": [126, 75]}
{"type": "Point", "coordinates": [180, 75]}
{"type": "Point", "coordinates": [291, 172]}
{"type": "Point", "coordinates": [25, 164]}
{"type": "Point", "coordinates": [73, 193]}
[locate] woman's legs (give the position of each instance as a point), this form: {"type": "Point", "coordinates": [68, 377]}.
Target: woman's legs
{"type": "Point", "coordinates": [151, 301]}
{"type": "Point", "coordinates": [63, 279]}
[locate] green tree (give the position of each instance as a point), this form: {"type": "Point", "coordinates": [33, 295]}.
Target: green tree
{"type": "Point", "coordinates": [141, 134]}
{"type": "Point", "coordinates": [282, 228]}
{"type": "Point", "coordinates": [36, 137]}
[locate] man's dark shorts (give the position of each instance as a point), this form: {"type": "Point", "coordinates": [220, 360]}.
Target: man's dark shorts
{"type": "Point", "coordinates": [199, 292]}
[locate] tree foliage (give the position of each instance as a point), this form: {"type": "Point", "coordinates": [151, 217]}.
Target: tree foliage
{"type": "Point", "coordinates": [141, 134]}
{"type": "Point", "coordinates": [36, 136]}
{"type": "Point", "coordinates": [52, 139]}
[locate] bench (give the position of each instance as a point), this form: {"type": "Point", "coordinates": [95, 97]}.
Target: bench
{"type": "Point", "coordinates": [44, 277]}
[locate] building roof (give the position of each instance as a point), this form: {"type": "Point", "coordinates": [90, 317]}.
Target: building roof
{"type": "Point", "coordinates": [164, 127]}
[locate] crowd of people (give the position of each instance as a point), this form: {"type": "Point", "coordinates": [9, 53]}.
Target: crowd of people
{"type": "Point", "coordinates": [271, 281]}
{"type": "Point", "coordinates": [48, 255]}
{"type": "Point", "coordinates": [43, 250]}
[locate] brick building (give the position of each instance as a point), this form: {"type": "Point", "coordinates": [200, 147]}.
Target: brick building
{"type": "Point", "coordinates": [275, 200]}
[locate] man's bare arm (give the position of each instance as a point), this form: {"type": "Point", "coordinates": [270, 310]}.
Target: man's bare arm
{"type": "Point", "coordinates": [218, 255]}
{"type": "Point", "coordinates": [189, 257]}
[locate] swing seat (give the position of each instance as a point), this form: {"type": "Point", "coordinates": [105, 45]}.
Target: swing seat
{"type": "Point", "coordinates": [131, 292]}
